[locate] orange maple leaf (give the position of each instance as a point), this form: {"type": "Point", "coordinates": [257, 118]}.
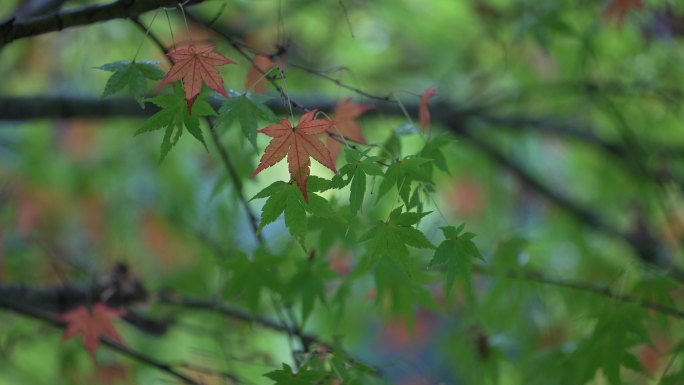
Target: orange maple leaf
{"type": "Point", "coordinates": [618, 9]}
{"type": "Point", "coordinates": [423, 111]}
{"type": "Point", "coordinates": [298, 143]}
{"type": "Point", "coordinates": [345, 124]}
{"type": "Point", "coordinates": [255, 80]}
{"type": "Point", "coordinates": [195, 66]}
{"type": "Point", "coordinates": [93, 323]}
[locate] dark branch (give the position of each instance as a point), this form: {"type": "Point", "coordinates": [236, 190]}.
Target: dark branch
{"type": "Point", "coordinates": [452, 116]}
{"type": "Point", "coordinates": [48, 318]}
{"type": "Point", "coordinates": [14, 30]}
{"type": "Point", "coordinates": [241, 315]}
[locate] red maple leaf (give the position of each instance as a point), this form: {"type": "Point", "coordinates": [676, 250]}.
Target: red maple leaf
{"type": "Point", "coordinates": [423, 111]}
{"type": "Point", "coordinates": [93, 323]}
{"type": "Point", "coordinates": [345, 124]}
{"type": "Point", "coordinates": [298, 143]}
{"type": "Point", "coordinates": [618, 9]}
{"type": "Point", "coordinates": [195, 66]}
{"type": "Point", "coordinates": [255, 80]}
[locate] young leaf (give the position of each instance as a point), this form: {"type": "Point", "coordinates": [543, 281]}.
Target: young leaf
{"type": "Point", "coordinates": [423, 111]}
{"type": "Point", "coordinates": [298, 143]}
{"type": "Point", "coordinates": [245, 111]}
{"type": "Point", "coordinates": [93, 324]}
{"type": "Point", "coordinates": [345, 125]}
{"type": "Point", "coordinates": [195, 66]}
{"type": "Point", "coordinates": [173, 116]}
{"type": "Point", "coordinates": [133, 75]}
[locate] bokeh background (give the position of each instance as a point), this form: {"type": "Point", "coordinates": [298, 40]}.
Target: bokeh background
{"type": "Point", "coordinates": [565, 157]}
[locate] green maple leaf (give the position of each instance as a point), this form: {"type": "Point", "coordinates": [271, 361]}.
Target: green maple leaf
{"type": "Point", "coordinates": [284, 198]}
{"type": "Point", "coordinates": [308, 284]}
{"type": "Point", "coordinates": [391, 238]}
{"type": "Point", "coordinates": [402, 174]}
{"type": "Point", "coordinates": [457, 251]}
{"type": "Point", "coordinates": [174, 117]}
{"type": "Point", "coordinates": [245, 110]}
{"type": "Point", "coordinates": [132, 75]}
{"type": "Point", "coordinates": [608, 348]}
{"type": "Point", "coordinates": [250, 277]}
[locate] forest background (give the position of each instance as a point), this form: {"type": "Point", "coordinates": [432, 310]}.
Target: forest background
{"type": "Point", "coordinates": [506, 209]}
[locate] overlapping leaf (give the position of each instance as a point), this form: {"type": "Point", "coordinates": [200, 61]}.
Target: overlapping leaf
{"type": "Point", "coordinates": [174, 116]}
{"type": "Point", "coordinates": [245, 110]}
{"type": "Point", "coordinates": [132, 75]}
{"type": "Point", "coordinates": [402, 174]}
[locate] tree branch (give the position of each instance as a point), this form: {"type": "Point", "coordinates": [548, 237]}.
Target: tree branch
{"type": "Point", "coordinates": [14, 29]}
{"type": "Point", "coordinates": [586, 287]}
{"type": "Point", "coordinates": [452, 116]}
{"type": "Point", "coordinates": [48, 318]}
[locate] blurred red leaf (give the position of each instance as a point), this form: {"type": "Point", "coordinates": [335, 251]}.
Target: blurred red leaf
{"type": "Point", "coordinates": [340, 262]}
{"type": "Point", "coordinates": [617, 10]}
{"type": "Point", "coordinates": [345, 124]}
{"type": "Point", "coordinates": [466, 198]}
{"type": "Point", "coordinates": [111, 374]}
{"type": "Point", "coordinates": [93, 324]}
{"type": "Point", "coordinates": [255, 79]}
{"type": "Point", "coordinates": [423, 111]}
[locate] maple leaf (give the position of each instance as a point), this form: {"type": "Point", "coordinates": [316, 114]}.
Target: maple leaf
{"type": "Point", "coordinates": [618, 9]}
{"type": "Point", "coordinates": [423, 111]}
{"type": "Point", "coordinates": [345, 124]}
{"type": "Point", "coordinates": [298, 143]}
{"type": "Point", "coordinates": [195, 66]}
{"type": "Point", "coordinates": [262, 64]}
{"type": "Point", "coordinates": [93, 323]}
